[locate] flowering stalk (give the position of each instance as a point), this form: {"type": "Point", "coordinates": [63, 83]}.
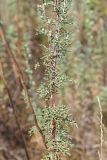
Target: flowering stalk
{"type": "Point", "coordinates": [53, 69]}
{"type": "Point", "coordinates": [54, 118]}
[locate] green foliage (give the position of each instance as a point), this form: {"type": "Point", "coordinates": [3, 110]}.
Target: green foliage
{"type": "Point", "coordinates": [61, 41]}
{"type": "Point", "coordinates": [32, 131]}
{"type": "Point", "coordinates": [62, 143]}
{"type": "Point", "coordinates": [59, 30]}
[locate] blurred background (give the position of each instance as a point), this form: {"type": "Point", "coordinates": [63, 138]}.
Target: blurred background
{"type": "Point", "coordinates": [87, 66]}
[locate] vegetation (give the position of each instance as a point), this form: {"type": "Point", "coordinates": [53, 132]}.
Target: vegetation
{"type": "Point", "coordinates": [53, 79]}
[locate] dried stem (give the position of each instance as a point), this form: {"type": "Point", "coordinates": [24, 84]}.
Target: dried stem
{"type": "Point", "coordinates": [101, 130]}
{"type": "Point", "coordinates": [23, 81]}
{"type": "Point", "coordinates": [14, 111]}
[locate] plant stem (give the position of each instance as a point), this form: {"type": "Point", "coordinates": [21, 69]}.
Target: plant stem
{"type": "Point", "coordinates": [53, 68]}
{"type": "Point", "coordinates": [23, 81]}
{"type": "Point", "coordinates": [101, 130]}
{"type": "Point", "coordinates": [14, 111]}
